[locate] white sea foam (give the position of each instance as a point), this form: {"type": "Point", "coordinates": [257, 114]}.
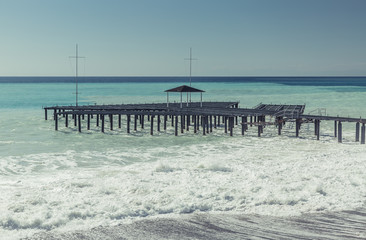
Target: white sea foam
{"type": "Point", "coordinates": [66, 181]}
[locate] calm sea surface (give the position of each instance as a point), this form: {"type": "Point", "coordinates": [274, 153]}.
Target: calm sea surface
{"type": "Point", "coordinates": [66, 184]}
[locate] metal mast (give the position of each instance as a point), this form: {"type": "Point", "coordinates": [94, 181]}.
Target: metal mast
{"type": "Point", "coordinates": [76, 73]}
{"type": "Point", "coordinates": [190, 69]}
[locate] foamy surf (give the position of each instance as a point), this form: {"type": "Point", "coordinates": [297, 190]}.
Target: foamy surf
{"type": "Point", "coordinates": [211, 226]}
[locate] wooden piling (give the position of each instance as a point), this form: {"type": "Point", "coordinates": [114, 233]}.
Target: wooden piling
{"type": "Point", "coordinates": [335, 128]}
{"type": "Point", "coordinates": [176, 125]}
{"type": "Point", "coordinates": [119, 121]}
{"type": "Point", "coordinates": [357, 132]}
{"type": "Point", "coordinates": [194, 123]}
{"type": "Point", "coordinates": [135, 123]}
{"type": "Point", "coordinates": [56, 122]}
{"type": "Point", "coordinates": [75, 120]}
{"type": "Point", "coordinates": [102, 118]}
{"type": "Point", "coordinates": [98, 116]}
{"type": "Point", "coordinates": [210, 123]}
{"type": "Point", "coordinates": [152, 125]}
{"type": "Point", "coordinates": [363, 133]}
{"type": "Point", "coordinates": [67, 120]}
{"type": "Point", "coordinates": [158, 120]}
{"type": "Point", "coordinates": [129, 121]}
{"type": "Point", "coordinates": [207, 125]}
{"type": "Point", "coordinates": [318, 130]}
{"type": "Point", "coordinates": [181, 123]}
{"type": "Point", "coordinates": [339, 131]}
{"type": "Point", "coordinates": [79, 122]}
{"type": "Point", "coordinates": [315, 127]}
{"type": "Point", "coordinates": [225, 121]}
{"type": "Point", "coordinates": [111, 121]}
{"type": "Point", "coordinates": [45, 114]}
{"type": "Point", "coordinates": [165, 120]}
{"type": "Point", "coordinates": [203, 126]}
{"type": "Point", "coordinates": [242, 126]}
{"type": "Point", "coordinates": [142, 121]}
{"type": "Point", "coordinates": [297, 127]}
{"type": "Point", "coordinates": [88, 124]}
{"type": "Point", "coordinates": [231, 126]}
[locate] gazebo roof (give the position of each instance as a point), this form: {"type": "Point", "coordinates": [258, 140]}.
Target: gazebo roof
{"type": "Point", "coordinates": [184, 88]}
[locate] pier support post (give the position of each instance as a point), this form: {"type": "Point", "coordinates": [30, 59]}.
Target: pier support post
{"type": "Point", "coordinates": [207, 125]}
{"type": "Point", "coordinates": [195, 123]}
{"type": "Point", "coordinates": [210, 123]}
{"type": "Point", "coordinates": [225, 120]}
{"type": "Point", "coordinates": [242, 126]}
{"type": "Point", "coordinates": [158, 116]}
{"type": "Point", "coordinates": [181, 123]}
{"type": "Point", "coordinates": [54, 114]}
{"type": "Point", "coordinates": [279, 125]}
{"type": "Point", "coordinates": [129, 121]}
{"type": "Point", "coordinates": [45, 114]}
{"type": "Point", "coordinates": [88, 126]}
{"type": "Point", "coordinates": [111, 121]}
{"type": "Point", "coordinates": [102, 118]}
{"type": "Point", "coordinates": [259, 130]}
{"type": "Point", "coordinates": [215, 124]}
{"type": "Point", "coordinates": [318, 130]}
{"type": "Point", "coordinates": [335, 128]}
{"type": "Point", "coordinates": [165, 120]}
{"type": "Point", "coordinates": [363, 133]}
{"type": "Point", "coordinates": [172, 117]}
{"type": "Point", "coordinates": [251, 121]}
{"type": "Point", "coordinates": [79, 122]}
{"type": "Point", "coordinates": [56, 122]}
{"type": "Point", "coordinates": [176, 125]}
{"type": "Point", "coordinates": [75, 120]}
{"type": "Point", "coordinates": [67, 120]}
{"type": "Point", "coordinates": [135, 122]}
{"type": "Point", "coordinates": [315, 127]}
{"type": "Point", "coordinates": [357, 132]}
{"type": "Point", "coordinates": [339, 131]}
{"type": "Point", "coordinates": [97, 120]}
{"type": "Point", "coordinates": [203, 125]}
{"type": "Point", "coordinates": [297, 127]}
{"type": "Point", "coordinates": [142, 121]}
{"type": "Point", "coordinates": [231, 125]}
{"type": "Point", "coordinates": [152, 125]}
{"type": "Point", "coordinates": [119, 121]}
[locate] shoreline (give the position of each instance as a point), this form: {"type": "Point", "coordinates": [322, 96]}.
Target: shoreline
{"type": "Point", "coordinates": [327, 225]}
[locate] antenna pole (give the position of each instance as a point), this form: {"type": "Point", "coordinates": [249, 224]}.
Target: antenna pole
{"type": "Point", "coordinates": [190, 67]}
{"type": "Point", "coordinates": [190, 71]}
{"type": "Point", "coordinates": [76, 73]}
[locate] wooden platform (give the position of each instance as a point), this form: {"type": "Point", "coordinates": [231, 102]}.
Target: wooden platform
{"type": "Point", "coordinates": [207, 115]}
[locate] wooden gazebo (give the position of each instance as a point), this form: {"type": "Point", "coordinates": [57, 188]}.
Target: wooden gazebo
{"type": "Point", "coordinates": [182, 89]}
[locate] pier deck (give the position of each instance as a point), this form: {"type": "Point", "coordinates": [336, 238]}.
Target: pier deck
{"type": "Point", "coordinates": [206, 115]}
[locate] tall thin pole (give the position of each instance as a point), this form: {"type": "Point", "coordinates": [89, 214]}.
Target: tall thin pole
{"type": "Point", "coordinates": [190, 71]}
{"type": "Point", "coordinates": [77, 73]}
{"type": "Point", "coordinates": [190, 67]}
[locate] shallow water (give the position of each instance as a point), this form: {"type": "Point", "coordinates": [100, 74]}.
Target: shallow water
{"type": "Point", "coordinates": [67, 181]}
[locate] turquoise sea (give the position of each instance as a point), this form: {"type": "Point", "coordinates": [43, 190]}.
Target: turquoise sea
{"type": "Point", "coordinates": [64, 184]}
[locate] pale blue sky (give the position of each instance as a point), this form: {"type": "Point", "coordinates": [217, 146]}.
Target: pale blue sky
{"type": "Point", "coordinates": [152, 37]}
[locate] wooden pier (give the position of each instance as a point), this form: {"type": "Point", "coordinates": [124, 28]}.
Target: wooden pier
{"type": "Point", "coordinates": [197, 117]}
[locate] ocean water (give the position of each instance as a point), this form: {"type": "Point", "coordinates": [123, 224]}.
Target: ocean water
{"type": "Point", "coordinates": [65, 184]}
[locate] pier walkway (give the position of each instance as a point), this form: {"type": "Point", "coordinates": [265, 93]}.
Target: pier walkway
{"type": "Point", "coordinates": [205, 115]}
